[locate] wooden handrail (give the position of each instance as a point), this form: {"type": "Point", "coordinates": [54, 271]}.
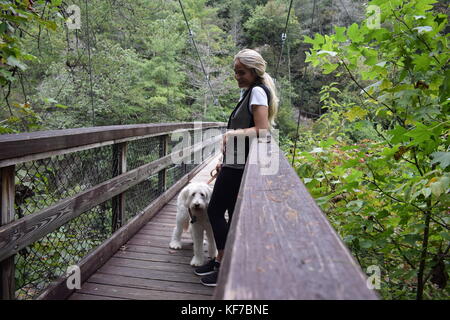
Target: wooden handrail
{"type": "Point", "coordinates": [280, 244]}
{"type": "Point", "coordinates": [15, 148]}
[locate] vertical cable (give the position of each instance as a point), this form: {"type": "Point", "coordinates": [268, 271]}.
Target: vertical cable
{"type": "Point", "coordinates": [303, 91]}
{"type": "Point", "coordinates": [283, 39]}
{"type": "Point", "coordinates": [90, 63]}
{"type": "Point", "coordinates": [191, 34]}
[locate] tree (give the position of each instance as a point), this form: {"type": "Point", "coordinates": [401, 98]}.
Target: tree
{"type": "Point", "coordinates": [395, 186]}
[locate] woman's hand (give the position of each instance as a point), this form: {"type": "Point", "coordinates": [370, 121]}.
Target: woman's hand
{"type": "Point", "coordinates": [224, 142]}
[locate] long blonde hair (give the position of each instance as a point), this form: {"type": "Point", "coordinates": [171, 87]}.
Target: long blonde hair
{"type": "Point", "coordinates": [253, 60]}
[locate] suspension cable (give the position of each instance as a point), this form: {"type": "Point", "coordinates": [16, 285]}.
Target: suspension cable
{"type": "Point", "coordinates": [283, 38]}
{"type": "Point", "coordinates": [191, 35]}
{"type": "Point", "coordinates": [303, 91]}
{"type": "Point", "coordinates": [90, 63]}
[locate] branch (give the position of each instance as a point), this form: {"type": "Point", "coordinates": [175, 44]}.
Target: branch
{"type": "Point", "coordinates": [388, 195]}
{"type": "Point", "coordinates": [418, 37]}
{"type": "Point", "coordinates": [396, 244]}
{"type": "Point", "coordinates": [400, 121]}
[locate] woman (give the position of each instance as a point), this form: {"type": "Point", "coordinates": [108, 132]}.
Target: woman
{"type": "Point", "coordinates": [255, 111]}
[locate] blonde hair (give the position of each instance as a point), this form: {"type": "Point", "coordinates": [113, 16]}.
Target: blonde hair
{"type": "Point", "coordinates": [253, 60]}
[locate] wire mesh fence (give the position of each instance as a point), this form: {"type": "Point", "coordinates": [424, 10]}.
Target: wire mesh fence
{"type": "Point", "coordinates": [141, 195]}
{"type": "Point", "coordinates": [42, 183]}
{"type": "Point", "coordinates": [49, 258]}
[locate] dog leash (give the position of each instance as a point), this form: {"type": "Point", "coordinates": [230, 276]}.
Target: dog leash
{"type": "Point", "coordinates": [213, 176]}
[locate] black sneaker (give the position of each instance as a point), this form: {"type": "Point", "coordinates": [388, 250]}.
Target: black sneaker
{"type": "Point", "coordinates": [207, 268]}
{"type": "Point", "coordinates": [211, 279]}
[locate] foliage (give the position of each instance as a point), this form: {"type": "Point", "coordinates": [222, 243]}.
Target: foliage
{"type": "Point", "coordinates": [16, 19]}
{"type": "Point", "coordinates": [388, 193]}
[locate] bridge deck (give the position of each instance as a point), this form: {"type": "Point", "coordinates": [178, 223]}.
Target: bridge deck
{"type": "Point", "coordinates": [146, 268]}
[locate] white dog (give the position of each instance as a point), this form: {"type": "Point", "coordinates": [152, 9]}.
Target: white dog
{"type": "Point", "coordinates": [192, 204]}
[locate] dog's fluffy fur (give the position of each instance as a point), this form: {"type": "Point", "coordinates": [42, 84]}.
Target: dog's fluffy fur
{"type": "Point", "coordinates": [196, 197]}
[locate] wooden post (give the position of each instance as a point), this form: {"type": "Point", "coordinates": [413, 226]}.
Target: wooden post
{"type": "Point", "coordinates": [118, 202]}
{"type": "Point", "coordinates": [162, 175]}
{"type": "Point", "coordinates": [7, 270]}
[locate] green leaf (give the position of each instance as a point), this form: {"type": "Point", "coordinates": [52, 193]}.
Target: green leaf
{"type": "Point", "coordinates": [422, 62]}
{"type": "Point", "coordinates": [56, 3]}
{"type": "Point", "coordinates": [445, 235]}
{"type": "Point", "coordinates": [443, 158]}
{"type": "Point", "coordinates": [329, 67]}
{"type": "Point", "coordinates": [354, 33]}
{"type": "Point", "coordinates": [12, 61]}
{"type": "Point", "coordinates": [426, 192]}
{"type": "Point", "coordinates": [440, 186]}
{"type": "Point", "coordinates": [355, 113]}
{"type": "Point", "coordinates": [366, 244]}
{"type": "Point", "coordinates": [412, 238]}
{"type": "Point", "coordinates": [327, 143]}
{"type": "Point", "coordinates": [340, 34]}
{"type": "Point", "coordinates": [398, 135]}
{"type": "Point", "coordinates": [420, 133]}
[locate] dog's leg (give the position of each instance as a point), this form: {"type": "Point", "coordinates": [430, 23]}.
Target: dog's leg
{"type": "Point", "coordinates": [212, 250]}
{"type": "Point", "coordinates": [175, 242]}
{"type": "Point", "coordinates": [197, 238]}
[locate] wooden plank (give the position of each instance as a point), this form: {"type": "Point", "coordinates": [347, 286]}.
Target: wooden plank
{"type": "Point", "coordinates": [26, 144]}
{"type": "Point", "coordinates": [150, 249]}
{"type": "Point", "coordinates": [7, 267]}
{"type": "Point", "coordinates": [136, 293]}
{"type": "Point", "coordinates": [168, 227]}
{"type": "Point", "coordinates": [150, 284]}
{"type": "Point", "coordinates": [160, 224]}
{"type": "Point", "coordinates": [150, 274]}
{"type": "Point", "coordinates": [170, 221]}
{"type": "Point", "coordinates": [163, 237]}
{"type": "Point", "coordinates": [162, 233]}
{"type": "Point", "coordinates": [84, 296]}
{"type": "Point", "coordinates": [170, 258]}
{"type": "Point", "coordinates": [157, 242]}
{"type": "Point", "coordinates": [150, 264]}
{"type": "Point", "coordinates": [21, 233]}
{"type": "Point", "coordinates": [165, 234]}
{"type": "Point", "coordinates": [281, 246]}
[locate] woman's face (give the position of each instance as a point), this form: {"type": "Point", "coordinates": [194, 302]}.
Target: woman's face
{"type": "Point", "coordinates": [244, 76]}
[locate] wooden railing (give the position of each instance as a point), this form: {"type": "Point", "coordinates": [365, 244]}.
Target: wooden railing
{"type": "Point", "coordinates": [280, 244]}
{"type": "Point", "coordinates": [19, 234]}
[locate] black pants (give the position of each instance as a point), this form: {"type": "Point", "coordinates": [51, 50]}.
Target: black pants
{"type": "Point", "coordinates": [224, 196]}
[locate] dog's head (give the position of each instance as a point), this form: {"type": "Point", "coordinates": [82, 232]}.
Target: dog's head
{"type": "Point", "coordinates": [196, 195]}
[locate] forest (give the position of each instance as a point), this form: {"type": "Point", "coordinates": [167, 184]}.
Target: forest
{"type": "Point", "coordinates": [364, 100]}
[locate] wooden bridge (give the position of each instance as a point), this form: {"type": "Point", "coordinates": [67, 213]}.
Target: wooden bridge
{"type": "Point", "coordinates": [103, 200]}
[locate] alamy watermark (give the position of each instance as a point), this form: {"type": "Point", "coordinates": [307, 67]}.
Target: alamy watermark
{"type": "Point", "coordinates": [374, 17]}
{"type": "Point", "coordinates": [73, 22]}
{"type": "Point", "coordinates": [374, 280]}
{"type": "Point", "coordinates": [73, 275]}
